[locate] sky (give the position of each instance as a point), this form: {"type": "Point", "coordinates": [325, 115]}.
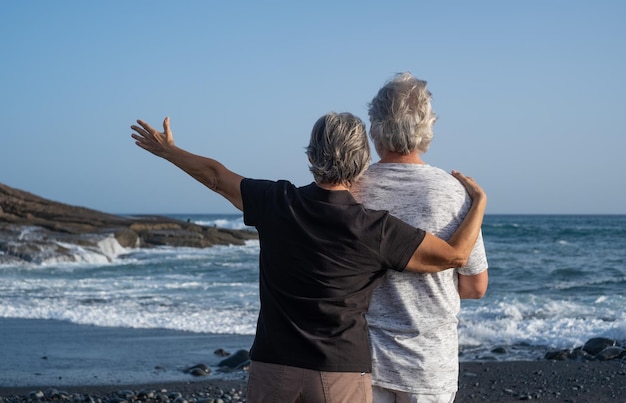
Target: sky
{"type": "Point", "coordinates": [529, 94]}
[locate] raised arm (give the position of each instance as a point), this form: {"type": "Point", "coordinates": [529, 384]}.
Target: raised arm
{"type": "Point", "coordinates": [207, 171]}
{"type": "Point", "coordinates": [434, 254]}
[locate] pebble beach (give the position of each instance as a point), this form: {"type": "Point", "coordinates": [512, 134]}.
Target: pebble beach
{"type": "Point", "coordinates": [496, 381]}
{"type": "Point", "coordinates": [45, 360]}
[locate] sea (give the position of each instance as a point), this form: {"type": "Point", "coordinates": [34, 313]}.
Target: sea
{"type": "Point", "coordinates": [555, 281]}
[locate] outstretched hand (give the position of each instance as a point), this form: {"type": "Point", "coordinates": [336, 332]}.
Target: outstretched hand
{"type": "Point", "coordinates": [473, 189]}
{"type": "Point", "coordinates": [150, 139]}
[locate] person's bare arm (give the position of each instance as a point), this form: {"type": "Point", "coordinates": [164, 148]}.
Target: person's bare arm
{"type": "Point", "coordinates": [473, 287]}
{"type": "Point", "coordinates": [207, 171]}
{"type": "Point", "coordinates": [434, 254]}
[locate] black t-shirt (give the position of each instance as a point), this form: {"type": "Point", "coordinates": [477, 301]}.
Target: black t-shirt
{"type": "Point", "coordinates": [322, 254]}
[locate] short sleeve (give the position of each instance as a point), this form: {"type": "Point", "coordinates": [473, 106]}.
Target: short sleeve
{"type": "Point", "coordinates": [399, 241]}
{"type": "Point", "coordinates": [477, 262]}
{"type": "Point", "coordinates": [254, 201]}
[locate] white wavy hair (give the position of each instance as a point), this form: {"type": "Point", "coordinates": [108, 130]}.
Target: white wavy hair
{"type": "Point", "coordinates": [401, 116]}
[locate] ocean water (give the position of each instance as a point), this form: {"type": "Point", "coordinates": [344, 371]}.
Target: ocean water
{"type": "Point", "coordinates": [555, 282]}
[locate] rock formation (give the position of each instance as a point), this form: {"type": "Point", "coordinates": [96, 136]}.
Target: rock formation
{"type": "Point", "coordinates": [34, 229]}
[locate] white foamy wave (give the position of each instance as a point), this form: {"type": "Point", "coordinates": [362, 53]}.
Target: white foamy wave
{"type": "Point", "coordinates": [234, 223]}
{"type": "Point", "coordinates": [168, 253]}
{"type": "Point", "coordinates": [210, 290]}
{"type": "Point", "coordinates": [130, 314]}
{"type": "Point", "coordinates": [27, 232]}
{"type": "Point", "coordinates": [34, 253]}
{"type": "Point", "coordinates": [600, 299]}
{"type": "Point", "coordinates": [105, 251]}
{"type": "Point", "coordinates": [535, 321]}
{"type": "Point", "coordinates": [111, 248]}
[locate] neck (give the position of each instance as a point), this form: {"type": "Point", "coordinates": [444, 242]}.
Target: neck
{"type": "Point", "coordinates": [332, 186]}
{"type": "Point", "coordinates": [392, 157]}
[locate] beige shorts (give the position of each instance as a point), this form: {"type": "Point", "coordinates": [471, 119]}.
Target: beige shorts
{"type": "Point", "coordinates": [284, 384]}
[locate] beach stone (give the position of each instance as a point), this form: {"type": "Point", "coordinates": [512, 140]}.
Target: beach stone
{"type": "Point", "coordinates": [221, 352]}
{"type": "Point", "coordinates": [610, 353]}
{"type": "Point", "coordinates": [161, 397]}
{"type": "Point", "coordinates": [595, 345]}
{"type": "Point", "coordinates": [554, 355]}
{"type": "Point", "coordinates": [199, 370]}
{"type": "Point", "coordinates": [577, 354]}
{"type": "Point", "coordinates": [499, 350]}
{"type": "Point", "coordinates": [558, 355]}
{"type": "Point", "coordinates": [237, 360]}
{"type": "Point", "coordinates": [146, 394]}
{"type": "Point", "coordinates": [580, 354]}
{"type": "Point", "coordinates": [125, 394]}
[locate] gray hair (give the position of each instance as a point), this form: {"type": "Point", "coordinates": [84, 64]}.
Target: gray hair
{"type": "Point", "coordinates": [338, 150]}
{"type": "Point", "coordinates": [401, 116]}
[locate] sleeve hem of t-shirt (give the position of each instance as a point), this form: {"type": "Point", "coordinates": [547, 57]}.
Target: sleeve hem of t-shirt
{"type": "Point", "coordinates": [408, 254]}
{"type": "Point", "coordinates": [472, 272]}
{"type": "Point", "coordinates": [244, 200]}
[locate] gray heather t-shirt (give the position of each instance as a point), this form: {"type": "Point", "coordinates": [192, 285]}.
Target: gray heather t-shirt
{"type": "Point", "coordinates": [413, 317]}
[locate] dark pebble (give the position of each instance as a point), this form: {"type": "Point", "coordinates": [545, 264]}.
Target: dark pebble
{"type": "Point", "coordinates": [199, 392]}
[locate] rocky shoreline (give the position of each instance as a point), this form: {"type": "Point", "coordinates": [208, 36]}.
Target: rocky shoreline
{"type": "Point", "coordinates": [36, 230]}
{"type": "Point", "coordinates": [491, 381]}
{"type": "Point", "coordinates": [584, 376]}
{"type": "Point", "coordinates": [218, 391]}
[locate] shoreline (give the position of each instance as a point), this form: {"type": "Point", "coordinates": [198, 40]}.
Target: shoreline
{"type": "Point", "coordinates": [37, 352]}
{"type": "Point", "coordinates": [39, 357]}
{"type": "Point", "coordinates": [489, 381]}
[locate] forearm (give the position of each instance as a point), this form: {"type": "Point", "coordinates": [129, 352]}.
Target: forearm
{"type": "Point", "coordinates": [464, 238]}
{"type": "Point", "coordinates": [434, 254]}
{"type": "Point", "coordinates": [209, 172]}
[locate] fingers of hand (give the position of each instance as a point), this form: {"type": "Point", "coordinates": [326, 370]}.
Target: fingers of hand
{"type": "Point", "coordinates": [146, 129]}
{"type": "Point", "coordinates": [139, 130]}
{"type": "Point", "coordinates": [458, 175]}
{"type": "Point", "coordinates": [462, 177]}
{"type": "Point", "coordinates": [147, 132]}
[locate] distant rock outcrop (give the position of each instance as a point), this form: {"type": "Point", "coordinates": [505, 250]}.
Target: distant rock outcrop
{"type": "Point", "coordinates": [34, 229]}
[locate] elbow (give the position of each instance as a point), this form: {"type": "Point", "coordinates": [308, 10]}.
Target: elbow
{"type": "Point", "coordinates": [473, 294]}
{"type": "Point", "coordinates": [450, 262]}
{"type": "Point", "coordinates": [459, 261]}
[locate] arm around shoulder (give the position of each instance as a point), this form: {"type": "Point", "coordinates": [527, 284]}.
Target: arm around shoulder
{"type": "Point", "coordinates": [434, 254]}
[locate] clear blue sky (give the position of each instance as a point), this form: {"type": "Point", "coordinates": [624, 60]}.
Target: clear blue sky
{"type": "Point", "coordinates": [530, 94]}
